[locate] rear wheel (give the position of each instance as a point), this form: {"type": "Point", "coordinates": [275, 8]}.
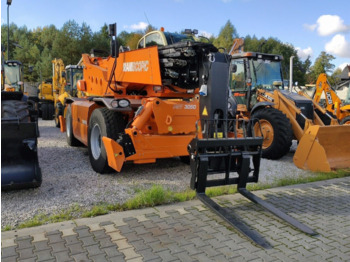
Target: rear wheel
{"type": "Point", "coordinates": [45, 111]}
{"type": "Point", "coordinates": [71, 140]}
{"type": "Point", "coordinates": [345, 121]}
{"type": "Point", "coordinates": [277, 131]}
{"type": "Point", "coordinates": [51, 111]}
{"type": "Point", "coordinates": [103, 122]}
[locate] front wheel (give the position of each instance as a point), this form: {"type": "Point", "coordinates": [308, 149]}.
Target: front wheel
{"type": "Point", "coordinates": [276, 130]}
{"type": "Point", "coordinates": [103, 122]}
{"type": "Point", "coordinates": [71, 140]}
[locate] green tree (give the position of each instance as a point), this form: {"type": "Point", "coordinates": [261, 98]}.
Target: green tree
{"type": "Point", "coordinates": [66, 44]}
{"type": "Point", "coordinates": [226, 36]}
{"type": "Point", "coordinates": [322, 65]}
{"type": "Point", "coordinates": [334, 78]}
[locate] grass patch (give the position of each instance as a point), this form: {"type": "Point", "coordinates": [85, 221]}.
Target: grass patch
{"type": "Point", "coordinates": [157, 195]}
{"type": "Point", "coordinates": [41, 219]}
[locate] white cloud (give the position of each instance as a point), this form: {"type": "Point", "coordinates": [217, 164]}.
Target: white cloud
{"type": "Point", "coordinates": [304, 53]}
{"type": "Point", "coordinates": [139, 26]}
{"type": "Point", "coordinates": [310, 27]}
{"type": "Point", "coordinates": [338, 46]}
{"type": "Point", "coordinates": [328, 25]}
{"type": "Point", "coordinates": [205, 34]}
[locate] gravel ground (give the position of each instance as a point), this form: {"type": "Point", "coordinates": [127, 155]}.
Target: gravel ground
{"type": "Point", "coordinates": [69, 179]}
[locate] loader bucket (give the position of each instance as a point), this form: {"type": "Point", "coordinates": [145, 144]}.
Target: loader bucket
{"type": "Point", "coordinates": [324, 148]}
{"type": "Point", "coordinates": [19, 158]}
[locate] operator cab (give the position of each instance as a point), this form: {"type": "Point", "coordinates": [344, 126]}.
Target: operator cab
{"type": "Point", "coordinates": [73, 74]}
{"type": "Point", "coordinates": [250, 71]}
{"type": "Point", "coordinates": [13, 76]}
{"type": "Point", "coordinates": [161, 38]}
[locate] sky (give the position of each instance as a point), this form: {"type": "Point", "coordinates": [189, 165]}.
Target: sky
{"type": "Point", "coordinates": [311, 26]}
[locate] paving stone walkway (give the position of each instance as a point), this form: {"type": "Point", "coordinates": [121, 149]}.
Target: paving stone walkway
{"type": "Point", "coordinates": [190, 232]}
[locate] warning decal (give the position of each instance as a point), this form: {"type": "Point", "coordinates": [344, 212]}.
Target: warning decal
{"type": "Point", "coordinates": [205, 112]}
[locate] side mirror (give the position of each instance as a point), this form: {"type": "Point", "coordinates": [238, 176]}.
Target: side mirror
{"type": "Point", "coordinates": [81, 85]}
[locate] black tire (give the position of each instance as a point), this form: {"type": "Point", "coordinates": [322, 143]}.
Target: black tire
{"type": "Point", "coordinates": [51, 111]}
{"type": "Point", "coordinates": [58, 112]}
{"type": "Point", "coordinates": [71, 140]}
{"type": "Point", "coordinates": [103, 122]}
{"type": "Point", "coordinates": [282, 132]}
{"type": "Point", "coordinates": [345, 121]}
{"type": "Point", "coordinates": [14, 111]}
{"type": "Point", "coordinates": [45, 111]}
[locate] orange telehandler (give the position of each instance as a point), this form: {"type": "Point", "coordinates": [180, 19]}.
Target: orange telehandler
{"type": "Point", "coordinates": [334, 104]}
{"type": "Point", "coordinates": [140, 105]}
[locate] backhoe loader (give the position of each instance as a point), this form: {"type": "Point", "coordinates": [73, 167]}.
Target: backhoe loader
{"type": "Point", "coordinates": [334, 105]}
{"type": "Point", "coordinates": [19, 132]}
{"type": "Point", "coordinates": [257, 84]}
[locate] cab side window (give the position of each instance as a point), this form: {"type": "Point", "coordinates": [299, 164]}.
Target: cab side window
{"type": "Point", "coordinates": [141, 44]}
{"type": "Point", "coordinates": [238, 77]}
{"type": "Point", "coordinates": [154, 39]}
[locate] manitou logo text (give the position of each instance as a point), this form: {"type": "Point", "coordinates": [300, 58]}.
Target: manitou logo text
{"type": "Point", "coordinates": [137, 66]}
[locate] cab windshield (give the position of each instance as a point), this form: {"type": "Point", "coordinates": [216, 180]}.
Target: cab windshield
{"type": "Point", "coordinates": [173, 38]}
{"type": "Point", "coordinates": [73, 76]}
{"type": "Point", "coordinates": [12, 75]}
{"type": "Point", "coordinates": [267, 74]}
{"type": "Point", "coordinates": [77, 74]}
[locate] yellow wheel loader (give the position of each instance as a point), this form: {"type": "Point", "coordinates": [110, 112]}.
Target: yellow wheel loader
{"type": "Point", "coordinates": [257, 84]}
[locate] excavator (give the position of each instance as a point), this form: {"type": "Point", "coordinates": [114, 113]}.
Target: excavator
{"type": "Point", "coordinates": [19, 132]}
{"type": "Point", "coordinates": [257, 84]}
{"type": "Point", "coordinates": [334, 105]}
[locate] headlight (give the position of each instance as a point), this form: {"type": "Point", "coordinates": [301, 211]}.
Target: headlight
{"type": "Point", "coordinates": [120, 103]}
{"type": "Point", "coordinates": [123, 103]}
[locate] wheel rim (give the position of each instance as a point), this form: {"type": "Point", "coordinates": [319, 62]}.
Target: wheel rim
{"type": "Point", "coordinates": [95, 141]}
{"type": "Point", "coordinates": [68, 126]}
{"type": "Point", "coordinates": [266, 132]}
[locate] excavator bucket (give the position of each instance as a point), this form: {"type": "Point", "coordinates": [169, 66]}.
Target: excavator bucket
{"type": "Point", "coordinates": [324, 148]}
{"type": "Point", "coordinates": [19, 157]}
{"type": "Point", "coordinates": [19, 139]}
